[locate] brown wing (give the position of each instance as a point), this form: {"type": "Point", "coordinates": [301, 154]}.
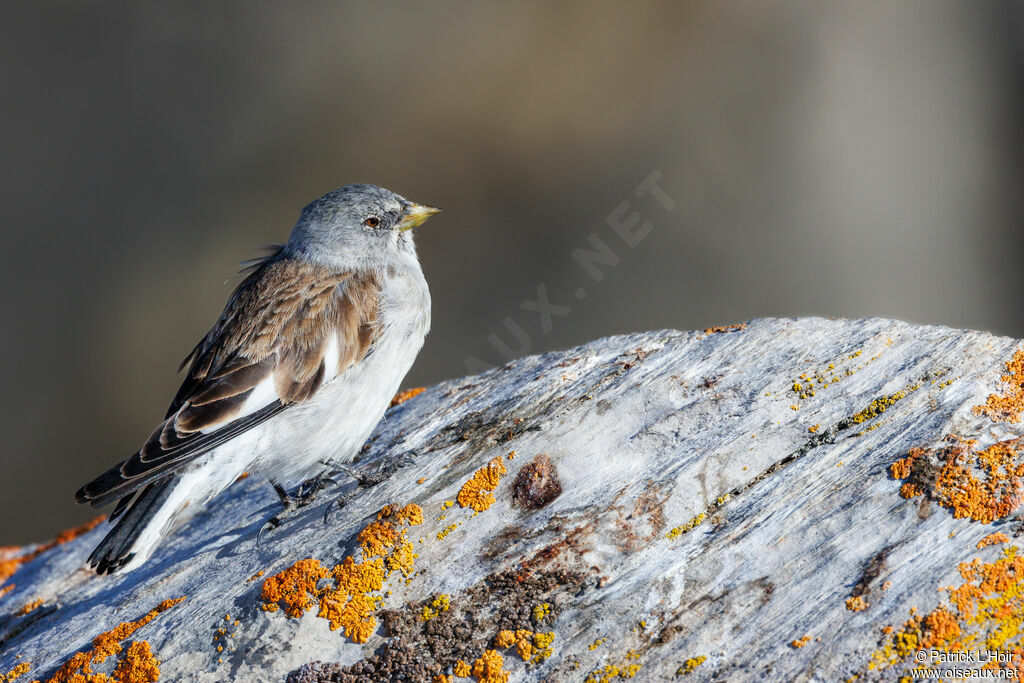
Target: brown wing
{"type": "Point", "coordinates": [269, 345]}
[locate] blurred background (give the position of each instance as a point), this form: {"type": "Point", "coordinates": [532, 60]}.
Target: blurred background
{"type": "Point", "coordinates": [826, 158]}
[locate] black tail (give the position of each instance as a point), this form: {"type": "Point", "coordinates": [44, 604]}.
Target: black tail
{"type": "Point", "coordinates": [116, 548]}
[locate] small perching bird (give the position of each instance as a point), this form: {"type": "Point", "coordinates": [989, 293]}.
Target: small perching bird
{"type": "Point", "coordinates": [297, 371]}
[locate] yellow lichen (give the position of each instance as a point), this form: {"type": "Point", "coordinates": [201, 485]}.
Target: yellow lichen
{"type": "Point", "coordinates": [984, 612]}
{"type": "Point", "coordinates": [541, 611]}
{"type": "Point", "coordinates": [462, 669]}
{"type": "Point", "coordinates": [440, 604]}
{"type": "Point", "coordinates": [542, 643]}
{"type": "Point", "coordinates": [596, 644]}
{"type": "Point", "coordinates": [880, 405]}
{"type": "Point", "coordinates": [690, 665]}
{"type": "Point", "coordinates": [688, 527]}
{"type": "Point", "coordinates": [443, 533]}
{"type": "Point", "coordinates": [476, 493]}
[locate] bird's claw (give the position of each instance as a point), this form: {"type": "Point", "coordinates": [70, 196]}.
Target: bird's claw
{"type": "Point", "coordinates": [270, 524]}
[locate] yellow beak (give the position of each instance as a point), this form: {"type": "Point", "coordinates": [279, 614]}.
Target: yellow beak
{"type": "Point", "coordinates": [416, 215]}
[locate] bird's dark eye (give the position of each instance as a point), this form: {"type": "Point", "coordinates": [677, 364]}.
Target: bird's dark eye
{"type": "Point", "coordinates": [372, 222]}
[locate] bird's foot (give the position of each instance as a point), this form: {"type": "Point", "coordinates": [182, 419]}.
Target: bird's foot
{"type": "Point", "coordinates": [305, 494]}
{"type": "Point", "coordinates": [365, 480]}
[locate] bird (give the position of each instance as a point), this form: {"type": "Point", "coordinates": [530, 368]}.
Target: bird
{"type": "Point", "coordinates": [296, 372]}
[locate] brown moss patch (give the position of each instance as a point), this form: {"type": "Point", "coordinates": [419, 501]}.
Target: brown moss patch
{"type": "Point", "coordinates": [1007, 406]}
{"type": "Point", "coordinates": [476, 493]}
{"type": "Point", "coordinates": [983, 485]}
{"type": "Point", "coordinates": [10, 565]}
{"type": "Point", "coordinates": [136, 666]}
{"type": "Point", "coordinates": [537, 483]}
{"type": "Point", "coordinates": [460, 628]}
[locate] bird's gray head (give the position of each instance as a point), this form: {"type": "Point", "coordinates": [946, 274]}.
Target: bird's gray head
{"type": "Point", "coordinates": [358, 226]}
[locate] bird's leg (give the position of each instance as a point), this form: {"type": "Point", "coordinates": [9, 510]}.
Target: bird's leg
{"type": "Point", "coordinates": [305, 494]}
{"type": "Point", "coordinates": [364, 480]}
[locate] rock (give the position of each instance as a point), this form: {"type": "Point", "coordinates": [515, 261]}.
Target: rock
{"type": "Point", "coordinates": [769, 499]}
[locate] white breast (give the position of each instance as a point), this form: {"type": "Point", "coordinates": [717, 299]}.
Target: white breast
{"type": "Point", "coordinates": [338, 420]}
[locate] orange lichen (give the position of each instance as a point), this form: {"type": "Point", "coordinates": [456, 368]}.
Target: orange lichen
{"type": "Point", "coordinates": [1008, 406]}
{"type": "Point", "coordinates": [294, 588]}
{"type": "Point", "coordinates": [136, 666]}
{"type": "Point", "coordinates": [995, 495]}
{"type": "Point", "coordinates": [461, 669]}
{"type": "Point", "coordinates": [856, 604]}
{"type": "Point", "coordinates": [800, 642]}
{"type": "Point", "coordinates": [403, 396]}
{"type": "Point", "coordinates": [488, 668]}
{"type": "Point", "coordinates": [524, 642]}
{"type": "Point", "coordinates": [411, 513]}
{"type": "Point", "coordinates": [11, 565]}
{"type": "Point", "coordinates": [993, 539]}
{"type": "Point", "coordinates": [909, 490]}
{"type": "Point", "coordinates": [349, 604]}
{"type": "Point", "coordinates": [984, 612]}
{"type": "Point", "coordinates": [735, 327]}
{"type": "Point", "coordinates": [442, 678]}
{"type": "Point", "coordinates": [15, 673]}
{"type": "Point", "coordinates": [476, 493]}
{"type": "Point", "coordinates": [30, 607]}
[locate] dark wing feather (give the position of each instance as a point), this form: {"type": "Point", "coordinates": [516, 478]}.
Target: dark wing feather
{"type": "Point", "coordinates": [276, 326]}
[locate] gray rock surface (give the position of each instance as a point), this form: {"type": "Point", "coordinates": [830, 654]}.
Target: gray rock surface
{"type": "Point", "coordinates": [678, 504]}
